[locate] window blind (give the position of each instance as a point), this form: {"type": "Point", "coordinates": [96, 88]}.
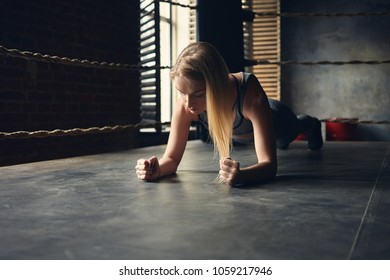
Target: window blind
{"type": "Point", "coordinates": [149, 44]}
{"type": "Point", "coordinates": [262, 42]}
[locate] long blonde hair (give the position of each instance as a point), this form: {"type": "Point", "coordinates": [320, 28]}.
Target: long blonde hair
{"type": "Point", "coordinates": [202, 61]}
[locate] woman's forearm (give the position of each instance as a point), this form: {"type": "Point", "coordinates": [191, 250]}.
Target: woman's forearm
{"type": "Point", "coordinates": [167, 166]}
{"type": "Point", "coordinates": [257, 173]}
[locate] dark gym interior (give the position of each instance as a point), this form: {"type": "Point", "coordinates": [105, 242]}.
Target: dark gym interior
{"type": "Point", "coordinates": [78, 197]}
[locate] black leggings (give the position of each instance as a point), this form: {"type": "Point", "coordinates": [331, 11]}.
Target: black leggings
{"type": "Point", "coordinates": [287, 125]}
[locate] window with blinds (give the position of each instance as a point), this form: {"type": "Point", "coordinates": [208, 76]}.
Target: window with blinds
{"type": "Point", "coordinates": [149, 52]}
{"type": "Point", "coordinates": [165, 29]}
{"type": "Point", "coordinates": [262, 42]}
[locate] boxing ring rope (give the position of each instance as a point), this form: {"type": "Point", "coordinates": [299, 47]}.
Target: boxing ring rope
{"type": "Point", "coordinates": [358, 14]}
{"type": "Point", "coordinates": [270, 14]}
{"type": "Point", "coordinates": [119, 128]}
{"type": "Point", "coordinates": [178, 4]}
{"type": "Point", "coordinates": [74, 131]}
{"type": "Point", "coordinates": [128, 67]}
{"type": "Point", "coordinates": [119, 66]}
{"type": "Point", "coordinates": [322, 62]}
{"type": "Point", "coordinates": [72, 61]}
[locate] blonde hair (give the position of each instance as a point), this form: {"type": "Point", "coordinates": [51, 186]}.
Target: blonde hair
{"type": "Point", "coordinates": [202, 61]}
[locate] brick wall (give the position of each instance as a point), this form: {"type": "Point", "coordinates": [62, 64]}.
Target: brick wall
{"type": "Point", "coordinates": [37, 95]}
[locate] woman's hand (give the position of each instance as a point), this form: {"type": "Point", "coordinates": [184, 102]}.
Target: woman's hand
{"type": "Point", "coordinates": [148, 169]}
{"type": "Point", "coordinates": [229, 171]}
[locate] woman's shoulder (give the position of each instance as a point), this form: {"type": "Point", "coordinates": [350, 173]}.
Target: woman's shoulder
{"type": "Point", "coordinates": [245, 77]}
{"type": "Point", "coordinates": [249, 85]}
{"type": "Point", "coordinates": [237, 76]}
{"type": "Point", "coordinates": [182, 113]}
{"type": "Point", "coordinates": [255, 95]}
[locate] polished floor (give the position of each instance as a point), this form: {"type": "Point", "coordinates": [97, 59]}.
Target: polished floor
{"type": "Point", "coordinates": [332, 204]}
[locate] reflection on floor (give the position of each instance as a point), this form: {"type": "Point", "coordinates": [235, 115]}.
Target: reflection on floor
{"type": "Point", "coordinates": [331, 204]}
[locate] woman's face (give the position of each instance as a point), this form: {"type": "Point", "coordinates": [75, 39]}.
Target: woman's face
{"type": "Point", "coordinates": [193, 94]}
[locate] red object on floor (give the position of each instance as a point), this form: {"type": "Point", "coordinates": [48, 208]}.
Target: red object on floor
{"type": "Point", "coordinates": [301, 137]}
{"type": "Point", "coordinates": [341, 129]}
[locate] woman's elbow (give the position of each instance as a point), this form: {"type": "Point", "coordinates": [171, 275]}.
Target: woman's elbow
{"type": "Point", "coordinates": [273, 169]}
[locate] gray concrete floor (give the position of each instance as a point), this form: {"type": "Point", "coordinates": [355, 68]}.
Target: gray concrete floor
{"type": "Point", "coordinates": [331, 204]}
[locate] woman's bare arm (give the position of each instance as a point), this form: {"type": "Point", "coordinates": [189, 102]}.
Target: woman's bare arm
{"type": "Point", "coordinates": [256, 109]}
{"type": "Point", "coordinates": [153, 168]}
